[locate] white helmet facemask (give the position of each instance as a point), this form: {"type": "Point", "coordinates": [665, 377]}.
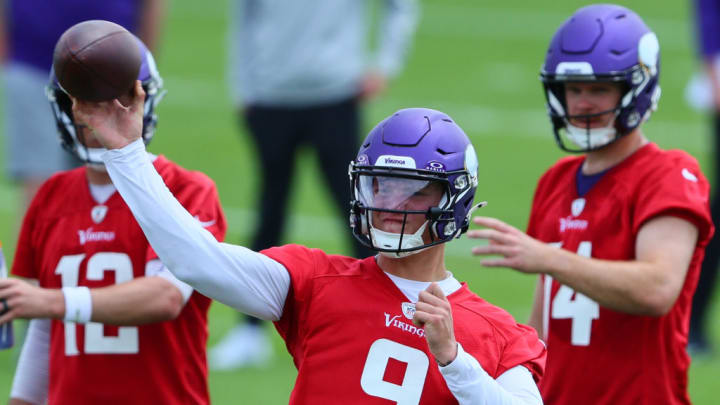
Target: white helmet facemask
{"type": "Point", "coordinates": [591, 138]}
{"type": "Point", "coordinates": [388, 240]}
{"type": "Point", "coordinates": [391, 193]}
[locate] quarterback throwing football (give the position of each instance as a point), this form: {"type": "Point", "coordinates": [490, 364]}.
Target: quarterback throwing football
{"type": "Point", "coordinates": [396, 327]}
{"type": "Point", "coordinates": [618, 234]}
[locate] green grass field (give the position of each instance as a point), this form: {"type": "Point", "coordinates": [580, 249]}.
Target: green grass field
{"type": "Point", "coordinates": [477, 61]}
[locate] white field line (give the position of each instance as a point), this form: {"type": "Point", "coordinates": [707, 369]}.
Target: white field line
{"type": "Point", "coordinates": [499, 24]}
{"type": "Point", "coordinates": [475, 118]}
{"type": "Point", "coordinates": [692, 136]}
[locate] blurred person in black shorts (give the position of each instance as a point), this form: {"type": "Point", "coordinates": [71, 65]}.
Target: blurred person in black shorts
{"type": "Point", "coordinates": [299, 73]}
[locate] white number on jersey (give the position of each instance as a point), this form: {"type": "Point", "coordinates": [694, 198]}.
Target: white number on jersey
{"type": "Point", "coordinates": [126, 342]}
{"type": "Point", "coordinates": [409, 392]}
{"type": "Point", "coordinates": [570, 304]}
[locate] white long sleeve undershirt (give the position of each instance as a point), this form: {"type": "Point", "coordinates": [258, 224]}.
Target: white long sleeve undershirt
{"type": "Point", "coordinates": [31, 375]}
{"type": "Point", "coordinates": [256, 284]}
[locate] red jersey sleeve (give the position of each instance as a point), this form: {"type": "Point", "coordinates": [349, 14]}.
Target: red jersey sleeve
{"type": "Point", "coordinates": [302, 264]}
{"type": "Point", "coordinates": [546, 189]}
{"type": "Point", "coordinates": [534, 212]}
{"type": "Point", "coordinates": [523, 348]}
{"type": "Point", "coordinates": [497, 341]}
{"type": "Point", "coordinates": [24, 264]}
{"type": "Point", "coordinates": [677, 189]}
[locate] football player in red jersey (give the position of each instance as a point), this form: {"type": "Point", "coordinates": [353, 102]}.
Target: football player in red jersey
{"type": "Point", "coordinates": [110, 324]}
{"type": "Point", "coordinates": [394, 328]}
{"type": "Point", "coordinates": [617, 234]}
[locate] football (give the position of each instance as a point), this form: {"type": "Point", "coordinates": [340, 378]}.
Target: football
{"type": "Point", "coordinates": [97, 60]}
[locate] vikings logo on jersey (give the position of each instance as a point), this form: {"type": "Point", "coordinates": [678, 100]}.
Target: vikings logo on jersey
{"type": "Point", "coordinates": [408, 309]}
{"type": "Point", "coordinates": [6, 330]}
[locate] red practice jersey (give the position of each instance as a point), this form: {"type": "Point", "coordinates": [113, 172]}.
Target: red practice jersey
{"type": "Point", "coordinates": [597, 355]}
{"type": "Point", "coordinates": [67, 239]}
{"type": "Point", "coordinates": [350, 333]}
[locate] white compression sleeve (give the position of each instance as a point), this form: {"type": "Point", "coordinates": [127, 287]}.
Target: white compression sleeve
{"type": "Point", "coordinates": [32, 372]}
{"type": "Point", "coordinates": [470, 384]}
{"type": "Point", "coordinates": [245, 280]}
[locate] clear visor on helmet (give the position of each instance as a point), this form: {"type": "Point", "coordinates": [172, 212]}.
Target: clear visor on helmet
{"type": "Point", "coordinates": [397, 193]}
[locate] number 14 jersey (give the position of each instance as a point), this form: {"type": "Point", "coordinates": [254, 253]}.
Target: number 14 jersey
{"type": "Point", "coordinates": [597, 355]}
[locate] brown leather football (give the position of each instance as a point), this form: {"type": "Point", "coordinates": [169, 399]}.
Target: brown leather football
{"type": "Point", "coordinates": [97, 60]}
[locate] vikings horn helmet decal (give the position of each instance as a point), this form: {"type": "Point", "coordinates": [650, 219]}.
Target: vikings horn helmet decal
{"type": "Point", "coordinates": [403, 155]}
{"type": "Point", "coordinates": [602, 43]}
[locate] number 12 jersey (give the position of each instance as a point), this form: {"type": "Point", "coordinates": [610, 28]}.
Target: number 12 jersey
{"type": "Point", "coordinates": [68, 240]}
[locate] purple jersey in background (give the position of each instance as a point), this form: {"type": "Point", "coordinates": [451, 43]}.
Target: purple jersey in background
{"type": "Point", "coordinates": [34, 26]}
{"type": "Point", "coordinates": [708, 26]}
{"type": "Point", "coordinates": [6, 330]}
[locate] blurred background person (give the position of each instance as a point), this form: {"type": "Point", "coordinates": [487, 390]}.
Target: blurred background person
{"type": "Point", "coordinates": [703, 93]}
{"type": "Point", "coordinates": [299, 72]}
{"type": "Point", "coordinates": [29, 30]}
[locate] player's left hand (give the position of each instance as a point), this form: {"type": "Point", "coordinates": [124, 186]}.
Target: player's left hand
{"type": "Point", "coordinates": [518, 250]}
{"type": "Point", "coordinates": [27, 301]}
{"type": "Point", "coordinates": [113, 124]}
{"type": "Point", "coordinates": [433, 312]}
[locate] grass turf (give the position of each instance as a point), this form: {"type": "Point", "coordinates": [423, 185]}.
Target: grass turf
{"type": "Point", "coordinates": [477, 61]}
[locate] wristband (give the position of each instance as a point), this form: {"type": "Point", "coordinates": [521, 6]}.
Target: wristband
{"type": "Point", "coordinates": [78, 304]}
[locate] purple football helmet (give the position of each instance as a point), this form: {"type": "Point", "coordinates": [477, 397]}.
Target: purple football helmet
{"type": "Point", "coordinates": [602, 43]}
{"type": "Point", "coordinates": [406, 153]}
{"type": "Point", "coordinates": [61, 105]}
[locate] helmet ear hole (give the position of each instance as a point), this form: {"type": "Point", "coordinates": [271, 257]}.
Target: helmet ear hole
{"type": "Point", "coordinates": [64, 102]}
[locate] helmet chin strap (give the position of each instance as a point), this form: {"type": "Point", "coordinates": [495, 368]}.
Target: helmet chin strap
{"type": "Point", "coordinates": [389, 240]}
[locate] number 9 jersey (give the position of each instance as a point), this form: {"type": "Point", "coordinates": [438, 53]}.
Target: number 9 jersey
{"type": "Point", "coordinates": [597, 355]}
{"type": "Point", "coordinates": [349, 330]}
{"type": "Point", "coordinates": [68, 240]}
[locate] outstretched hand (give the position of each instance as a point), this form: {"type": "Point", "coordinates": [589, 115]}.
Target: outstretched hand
{"type": "Point", "coordinates": [518, 250]}
{"type": "Point", "coordinates": [113, 124]}
{"type": "Point", "coordinates": [433, 312]}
